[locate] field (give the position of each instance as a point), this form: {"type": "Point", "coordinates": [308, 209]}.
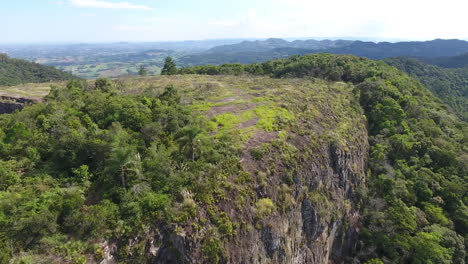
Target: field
{"type": "Point", "coordinates": [34, 91]}
{"type": "Point", "coordinates": [111, 70]}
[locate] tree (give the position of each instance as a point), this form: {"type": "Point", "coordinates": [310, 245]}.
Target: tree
{"type": "Point", "coordinates": [142, 71]}
{"type": "Point", "coordinates": [104, 84]}
{"type": "Point", "coordinates": [170, 68]}
{"type": "Point", "coordinates": [187, 139]}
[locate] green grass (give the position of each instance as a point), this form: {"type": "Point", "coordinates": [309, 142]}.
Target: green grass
{"type": "Point", "coordinates": [271, 117]}
{"type": "Point", "coordinates": [31, 90]}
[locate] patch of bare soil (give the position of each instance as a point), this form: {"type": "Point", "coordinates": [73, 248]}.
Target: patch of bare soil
{"type": "Point", "coordinates": [231, 108]}
{"type": "Point", "coordinates": [250, 123]}
{"type": "Point", "coordinates": [225, 100]}
{"type": "Point", "coordinates": [261, 137]}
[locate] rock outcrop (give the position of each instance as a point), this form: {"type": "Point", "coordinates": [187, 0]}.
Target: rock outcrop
{"type": "Point", "coordinates": [11, 104]}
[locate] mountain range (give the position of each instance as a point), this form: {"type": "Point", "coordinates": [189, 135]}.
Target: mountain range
{"type": "Point", "coordinates": [259, 51]}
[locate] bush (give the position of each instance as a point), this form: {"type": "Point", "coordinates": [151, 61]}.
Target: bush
{"type": "Point", "coordinates": [264, 207]}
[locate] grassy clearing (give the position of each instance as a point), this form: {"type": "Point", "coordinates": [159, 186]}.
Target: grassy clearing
{"type": "Point", "coordinates": [248, 104]}
{"type": "Point", "coordinates": [32, 90]}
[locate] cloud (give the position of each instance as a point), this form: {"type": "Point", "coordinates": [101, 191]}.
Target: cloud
{"type": "Point", "coordinates": [108, 5]}
{"type": "Point", "coordinates": [397, 19]}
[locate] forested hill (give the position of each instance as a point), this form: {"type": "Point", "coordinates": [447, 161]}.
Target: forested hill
{"type": "Point", "coordinates": [17, 71]}
{"type": "Point", "coordinates": [451, 85]}
{"type": "Point", "coordinates": [427, 49]}
{"type": "Point", "coordinates": [449, 62]}
{"type": "Point", "coordinates": [259, 51]}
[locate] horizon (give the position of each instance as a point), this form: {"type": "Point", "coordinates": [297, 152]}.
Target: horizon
{"type": "Point", "coordinates": [51, 43]}
{"type": "Point", "coordinates": [143, 21]}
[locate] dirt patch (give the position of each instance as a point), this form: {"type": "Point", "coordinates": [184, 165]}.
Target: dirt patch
{"type": "Point", "coordinates": [225, 100]}
{"type": "Point", "coordinates": [231, 108]}
{"type": "Point", "coordinates": [261, 137]}
{"type": "Point", "coordinates": [250, 123]}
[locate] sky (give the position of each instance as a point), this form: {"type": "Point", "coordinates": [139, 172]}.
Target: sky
{"type": "Point", "coordinates": [42, 21]}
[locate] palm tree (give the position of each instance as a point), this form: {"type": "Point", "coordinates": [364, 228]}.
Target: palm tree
{"type": "Point", "coordinates": [187, 139]}
{"type": "Point", "coordinates": [125, 162]}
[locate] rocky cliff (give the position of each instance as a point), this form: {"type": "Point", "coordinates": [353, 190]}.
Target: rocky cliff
{"type": "Point", "coordinates": [11, 104]}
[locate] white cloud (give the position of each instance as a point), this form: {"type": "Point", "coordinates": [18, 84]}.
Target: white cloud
{"type": "Point", "coordinates": [397, 19]}
{"type": "Point", "coordinates": [364, 19]}
{"type": "Point", "coordinates": [108, 5]}
{"type": "Point", "coordinates": [357, 19]}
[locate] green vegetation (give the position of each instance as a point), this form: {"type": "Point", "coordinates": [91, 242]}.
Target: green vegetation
{"type": "Point", "coordinates": [265, 207]}
{"type": "Point", "coordinates": [451, 85]}
{"type": "Point", "coordinates": [434, 51]}
{"type": "Point", "coordinates": [142, 71]}
{"type": "Point", "coordinates": [93, 164]}
{"type": "Point", "coordinates": [169, 68]}
{"type": "Point", "coordinates": [15, 72]}
{"type": "Point", "coordinates": [271, 118]}
{"type": "Point", "coordinates": [112, 69]}
{"type": "Point", "coordinates": [459, 61]}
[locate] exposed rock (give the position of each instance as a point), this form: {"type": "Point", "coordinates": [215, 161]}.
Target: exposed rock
{"type": "Point", "coordinates": [11, 104]}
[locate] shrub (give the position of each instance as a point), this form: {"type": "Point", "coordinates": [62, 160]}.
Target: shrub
{"type": "Point", "coordinates": [264, 207]}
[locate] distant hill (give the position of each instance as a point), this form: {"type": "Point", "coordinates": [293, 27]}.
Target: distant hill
{"type": "Point", "coordinates": [381, 50]}
{"type": "Point", "coordinates": [451, 85]}
{"type": "Point", "coordinates": [241, 56]}
{"type": "Point", "coordinates": [274, 43]}
{"type": "Point", "coordinates": [260, 51]}
{"type": "Point", "coordinates": [16, 71]}
{"type": "Point", "coordinates": [449, 62]}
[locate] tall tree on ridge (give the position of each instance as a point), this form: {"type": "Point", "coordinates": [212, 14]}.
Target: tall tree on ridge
{"type": "Point", "coordinates": [170, 68]}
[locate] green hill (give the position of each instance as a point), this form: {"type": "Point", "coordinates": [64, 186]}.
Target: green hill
{"type": "Point", "coordinates": [313, 159]}
{"type": "Point", "coordinates": [16, 71]}
{"type": "Point", "coordinates": [451, 85]}
{"type": "Point", "coordinates": [459, 61]}
{"type": "Point", "coordinates": [260, 51]}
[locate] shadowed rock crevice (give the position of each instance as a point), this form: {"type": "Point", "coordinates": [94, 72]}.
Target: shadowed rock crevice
{"type": "Point", "coordinates": [11, 104]}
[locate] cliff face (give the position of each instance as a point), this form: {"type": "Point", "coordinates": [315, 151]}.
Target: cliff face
{"type": "Point", "coordinates": [318, 224]}
{"type": "Point", "coordinates": [11, 104]}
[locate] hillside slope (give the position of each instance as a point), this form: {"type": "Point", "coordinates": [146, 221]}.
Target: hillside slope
{"type": "Point", "coordinates": [459, 61]}
{"type": "Point", "coordinates": [329, 159]}
{"type": "Point", "coordinates": [451, 85]}
{"type": "Point", "coordinates": [16, 71]}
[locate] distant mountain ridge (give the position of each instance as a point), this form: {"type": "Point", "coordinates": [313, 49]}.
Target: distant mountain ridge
{"type": "Point", "coordinates": [260, 51]}
{"type": "Point", "coordinates": [273, 43]}
{"type": "Point", "coordinates": [381, 50]}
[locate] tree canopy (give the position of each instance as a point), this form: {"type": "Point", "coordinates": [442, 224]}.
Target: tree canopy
{"type": "Point", "coordinates": [170, 67]}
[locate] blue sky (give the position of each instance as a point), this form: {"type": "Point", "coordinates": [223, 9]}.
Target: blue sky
{"type": "Point", "coordinates": [25, 21]}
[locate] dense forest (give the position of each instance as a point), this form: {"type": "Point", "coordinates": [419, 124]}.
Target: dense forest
{"type": "Point", "coordinates": [100, 162]}
{"type": "Point", "coordinates": [16, 71]}
{"type": "Point", "coordinates": [451, 85]}
{"type": "Point", "coordinates": [449, 62]}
